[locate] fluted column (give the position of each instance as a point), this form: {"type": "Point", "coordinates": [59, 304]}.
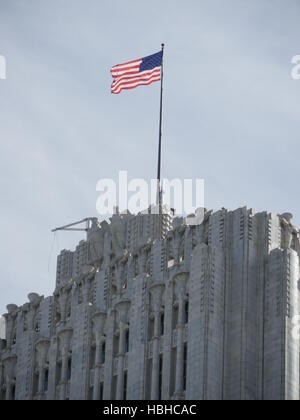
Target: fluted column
{"type": "Point", "coordinates": [180, 347]}
{"type": "Point", "coordinates": [10, 372]}
{"type": "Point", "coordinates": [42, 347]}
{"type": "Point", "coordinates": [98, 327]}
{"type": "Point", "coordinates": [8, 390]}
{"type": "Point", "coordinates": [122, 308]}
{"type": "Point", "coordinates": [97, 370]}
{"type": "Point", "coordinates": [64, 372]}
{"type": "Point", "coordinates": [121, 356]}
{"type": "Point", "coordinates": [180, 289]}
{"type": "Point", "coordinates": [156, 297]}
{"type": "Point", "coordinates": [65, 338]}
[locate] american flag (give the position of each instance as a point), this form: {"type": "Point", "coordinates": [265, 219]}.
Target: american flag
{"type": "Point", "coordinates": [143, 71]}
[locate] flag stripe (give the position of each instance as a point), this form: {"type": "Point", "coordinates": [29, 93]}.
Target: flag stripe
{"type": "Point", "coordinates": [116, 73]}
{"type": "Point", "coordinates": [134, 73]}
{"type": "Point", "coordinates": [135, 83]}
{"type": "Point", "coordinates": [128, 64]}
{"type": "Point", "coordinates": [119, 90]}
{"type": "Point", "coordinates": [136, 76]}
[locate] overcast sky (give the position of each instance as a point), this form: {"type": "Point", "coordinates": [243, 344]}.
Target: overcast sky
{"type": "Point", "coordinates": [231, 116]}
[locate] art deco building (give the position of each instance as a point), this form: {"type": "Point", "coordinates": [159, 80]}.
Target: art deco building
{"type": "Point", "coordinates": [148, 307]}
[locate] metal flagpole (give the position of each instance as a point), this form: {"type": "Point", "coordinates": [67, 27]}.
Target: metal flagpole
{"type": "Point", "coordinates": [159, 187]}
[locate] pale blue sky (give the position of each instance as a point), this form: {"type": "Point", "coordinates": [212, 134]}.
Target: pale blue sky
{"type": "Point", "coordinates": [232, 113]}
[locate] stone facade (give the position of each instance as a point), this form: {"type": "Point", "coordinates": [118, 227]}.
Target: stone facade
{"type": "Point", "coordinates": [151, 308]}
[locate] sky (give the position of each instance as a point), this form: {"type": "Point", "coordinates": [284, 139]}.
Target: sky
{"type": "Point", "coordinates": [231, 114]}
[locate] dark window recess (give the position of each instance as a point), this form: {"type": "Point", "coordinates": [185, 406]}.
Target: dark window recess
{"type": "Point", "coordinates": [160, 377]}
{"type": "Point", "coordinates": [127, 342]}
{"type": "Point", "coordinates": [162, 324]}
{"type": "Point", "coordinates": [101, 391]}
{"type": "Point", "coordinates": [13, 392]}
{"type": "Point", "coordinates": [184, 365]}
{"type": "Point", "coordinates": [69, 372]}
{"type": "Point", "coordinates": [125, 386]}
{"type": "Point", "coordinates": [103, 353]}
{"type": "Point", "coordinates": [186, 312]}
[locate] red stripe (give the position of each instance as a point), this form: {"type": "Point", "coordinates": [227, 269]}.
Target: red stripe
{"type": "Point", "coordinates": [133, 80]}
{"type": "Point", "coordinates": [150, 73]}
{"type": "Point", "coordinates": [125, 74]}
{"type": "Point", "coordinates": [122, 87]}
{"type": "Point", "coordinates": [133, 87]}
{"type": "Point", "coordinates": [127, 62]}
{"type": "Point", "coordinates": [115, 71]}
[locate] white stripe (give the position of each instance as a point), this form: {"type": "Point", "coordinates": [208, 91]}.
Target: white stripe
{"type": "Point", "coordinates": [121, 87]}
{"type": "Point", "coordinates": [134, 80]}
{"type": "Point", "coordinates": [121, 72]}
{"type": "Point", "coordinates": [149, 73]}
{"type": "Point", "coordinates": [121, 66]}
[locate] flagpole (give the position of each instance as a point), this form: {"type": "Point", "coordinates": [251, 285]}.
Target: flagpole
{"type": "Point", "coordinates": [159, 187]}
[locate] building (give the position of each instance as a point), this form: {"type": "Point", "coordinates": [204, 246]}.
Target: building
{"type": "Point", "coordinates": [148, 307]}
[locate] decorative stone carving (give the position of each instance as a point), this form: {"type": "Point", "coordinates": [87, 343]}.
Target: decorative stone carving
{"type": "Point", "coordinates": [118, 234]}
{"type": "Point", "coordinates": [156, 292]}
{"type": "Point", "coordinates": [99, 320]}
{"type": "Point", "coordinates": [11, 308]}
{"type": "Point", "coordinates": [180, 281]}
{"type": "Point", "coordinates": [122, 308]}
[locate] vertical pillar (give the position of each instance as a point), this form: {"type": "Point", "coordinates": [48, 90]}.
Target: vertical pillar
{"type": "Point", "coordinates": [98, 326]}
{"type": "Point", "coordinates": [8, 390]}
{"type": "Point", "coordinates": [180, 289]}
{"type": "Point", "coordinates": [122, 308]}
{"type": "Point", "coordinates": [121, 356]}
{"type": "Point", "coordinates": [65, 339]}
{"type": "Point", "coordinates": [155, 357]}
{"type": "Point", "coordinates": [42, 347]}
{"type": "Point", "coordinates": [64, 372]}
{"type": "Point", "coordinates": [10, 372]}
{"type": "Point", "coordinates": [180, 348]}
{"type": "Point", "coordinates": [156, 297]}
{"type": "Point", "coordinates": [97, 371]}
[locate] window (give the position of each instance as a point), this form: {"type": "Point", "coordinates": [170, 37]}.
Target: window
{"type": "Point", "coordinates": [101, 391]}
{"type": "Point", "coordinates": [162, 324]}
{"type": "Point", "coordinates": [186, 312]}
{"type": "Point", "coordinates": [125, 386]}
{"type": "Point", "coordinates": [102, 358]}
{"type": "Point", "coordinates": [13, 392]}
{"type": "Point", "coordinates": [46, 380]}
{"type": "Point", "coordinates": [69, 372]}
{"type": "Point", "coordinates": [127, 342]}
{"type": "Point", "coordinates": [160, 377]}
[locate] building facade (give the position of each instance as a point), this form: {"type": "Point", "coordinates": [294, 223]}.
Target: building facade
{"type": "Point", "coordinates": [148, 307]}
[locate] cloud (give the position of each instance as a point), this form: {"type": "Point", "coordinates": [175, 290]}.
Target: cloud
{"type": "Point", "coordinates": [231, 114]}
